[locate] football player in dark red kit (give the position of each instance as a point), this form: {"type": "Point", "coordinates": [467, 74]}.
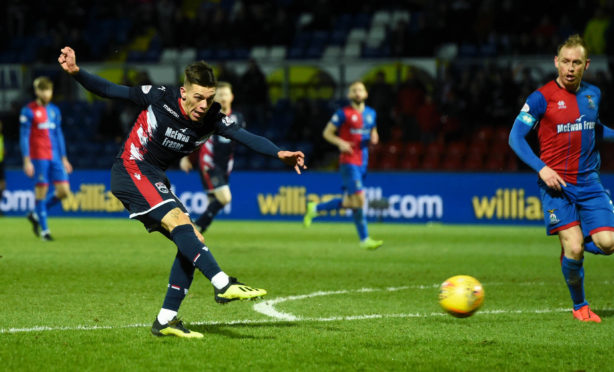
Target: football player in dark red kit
{"type": "Point", "coordinates": [173, 123]}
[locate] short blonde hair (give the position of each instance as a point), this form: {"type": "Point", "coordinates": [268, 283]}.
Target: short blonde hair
{"type": "Point", "coordinates": [42, 83]}
{"type": "Point", "coordinates": [573, 41]}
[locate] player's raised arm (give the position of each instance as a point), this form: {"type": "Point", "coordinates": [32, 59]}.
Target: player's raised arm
{"type": "Point", "coordinates": [93, 83]}
{"type": "Point", "coordinates": [263, 145]}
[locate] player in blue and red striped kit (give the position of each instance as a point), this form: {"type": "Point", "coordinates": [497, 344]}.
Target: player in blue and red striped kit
{"type": "Point", "coordinates": [565, 114]}
{"type": "Point", "coordinates": [44, 153]}
{"type": "Point", "coordinates": [356, 127]}
{"type": "Point", "coordinates": [173, 123]}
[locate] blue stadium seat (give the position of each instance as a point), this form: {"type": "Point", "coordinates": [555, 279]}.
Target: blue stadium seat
{"type": "Point", "coordinates": [296, 53]}
{"type": "Point", "coordinates": [205, 54]}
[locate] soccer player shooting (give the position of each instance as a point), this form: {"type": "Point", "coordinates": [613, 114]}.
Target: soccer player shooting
{"type": "Point", "coordinates": [173, 123]}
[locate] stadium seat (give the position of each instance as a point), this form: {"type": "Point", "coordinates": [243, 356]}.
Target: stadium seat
{"type": "Point", "coordinates": [186, 56]}
{"type": "Point", "coordinates": [259, 52]}
{"type": "Point", "coordinates": [501, 135]}
{"type": "Point", "coordinates": [381, 18]}
{"type": "Point", "coordinates": [456, 150]}
{"type": "Point", "coordinates": [331, 52]}
{"type": "Point", "coordinates": [387, 163]}
{"type": "Point", "coordinates": [400, 15]}
{"type": "Point", "coordinates": [451, 163]}
{"type": "Point", "coordinates": [484, 134]}
{"type": "Point", "coordinates": [356, 36]}
{"type": "Point", "coordinates": [277, 52]}
{"type": "Point", "coordinates": [361, 20]}
{"type": "Point", "coordinates": [169, 56]}
{"type": "Point", "coordinates": [495, 162]}
{"type": "Point", "coordinates": [375, 36]}
{"type": "Point", "coordinates": [414, 149]}
{"type": "Point", "coordinates": [351, 51]}
{"type": "Point", "coordinates": [338, 38]}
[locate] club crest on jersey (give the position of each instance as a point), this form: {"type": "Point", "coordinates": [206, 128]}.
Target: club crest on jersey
{"type": "Point", "coordinates": [561, 105]}
{"type": "Point", "coordinates": [553, 218]}
{"type": "Point", "coordinates": [591, 103]}
{"type": "Point", "coordinates": [162, 187]}
{"type": "Point", "coordinates": [146, 88]}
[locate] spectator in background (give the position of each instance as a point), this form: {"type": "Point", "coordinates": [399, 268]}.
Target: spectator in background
{"type": "Point", "coordinates": [594, 33]}
{"type": "Point", "coordinates": [165, 12]}
{"type": "Point", "coordinates": [227, 74]}
{"type": "Point", "coordinates": [428, 119]}
{"type": "Point", "coordinates": [255, 93]}
{"type": "Point", "coordinates": [381, 98]}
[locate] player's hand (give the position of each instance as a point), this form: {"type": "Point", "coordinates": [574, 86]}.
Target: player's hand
{"type": "Point", "coordinates": [68, 60]}
{"type": "Point", "coordinates": [67, 165]}
{"type": "Point", "coordinates": [185, 164]}
{"type": "Point", "coordinates": [345, 147]}
{"type": "Point", "coordinates": [552, 179]}
{"type": "Point", "coordinates": [28, 169]}
{"type": "Point", "coordinates": [293, 158]}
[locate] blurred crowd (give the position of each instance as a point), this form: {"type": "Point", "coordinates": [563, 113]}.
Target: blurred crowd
{"type": "Point", "coordinates": [99, 28]}
{"type": "Point", "coordinates": [471, 91]}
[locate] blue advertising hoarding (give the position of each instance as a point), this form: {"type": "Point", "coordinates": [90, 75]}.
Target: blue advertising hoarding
{"type": "Point", "coordinates": [503, 198]}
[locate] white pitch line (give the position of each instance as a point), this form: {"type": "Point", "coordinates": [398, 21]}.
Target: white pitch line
{"type": "Point", "coordinates": [274, 321]}
{"type": "Point", "coordinates": [267, 308]}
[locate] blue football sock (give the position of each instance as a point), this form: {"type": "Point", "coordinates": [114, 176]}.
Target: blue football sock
{"type": "Point", "coordinates": [330, 205]}
{"type": "Point", "coordinates": [179, 282]}
{"type": "Point", "coordinates": [51, 201]}
{"type": "Point", "coordinates": [361, 223]}
{"type": "Point", "coordinates": [191, 248]}
{"type": "Point", "coordinates": [573, 271]}
{"type": "Point", "coordinates": [589, 246]}
{"type": "Point", "coordinates": [41, 212]}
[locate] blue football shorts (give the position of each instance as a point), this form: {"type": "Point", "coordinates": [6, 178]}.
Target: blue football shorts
{"type": "Point", "coordinates": [352, 177]}
{"type": "Point", "coordinates": [46, 171]}
{"type": "Point", "coordinates": [587, 205]}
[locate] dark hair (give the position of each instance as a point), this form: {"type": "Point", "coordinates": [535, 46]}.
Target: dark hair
{"type": "Point", "coordinates": [200, 73]}
{"type": "Point", "coordinates": [573, 41]}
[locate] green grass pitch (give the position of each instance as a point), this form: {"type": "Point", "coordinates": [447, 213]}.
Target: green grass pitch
{"type": "Point", "coordinates": [87, 300]}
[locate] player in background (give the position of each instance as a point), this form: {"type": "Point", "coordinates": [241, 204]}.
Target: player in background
{"type": "Point", "coordinates": [44, 154]}
{"type": "Point", "coordinates": [2, 173]}
{"type": "Point", "coordinates": [564, 112]}
{"type": "Point", "coordinates": [173, 123]}
{"type": "Point", "coordinates": [356, 128]}
{"type": "Point", "coordinates": [215, 160]}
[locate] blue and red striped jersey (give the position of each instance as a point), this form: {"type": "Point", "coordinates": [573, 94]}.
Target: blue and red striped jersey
{"type": "Point", "coordinates": [40, 131]}
{"type": "Point", "coordinates": [355, 127]}
{"type": "Point", "coordinates": [565, 124]}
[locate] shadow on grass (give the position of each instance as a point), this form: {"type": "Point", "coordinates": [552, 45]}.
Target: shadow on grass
{"type": "Point", "coordinates": [232, 330]}
{"type": "Point", "coordinates": [604, 313]}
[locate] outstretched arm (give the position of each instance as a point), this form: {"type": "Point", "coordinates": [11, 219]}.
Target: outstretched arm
{"type": "Point", "coordinates": [93, 83]}
{"type": "Point", "coordinates": [264, 146]}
